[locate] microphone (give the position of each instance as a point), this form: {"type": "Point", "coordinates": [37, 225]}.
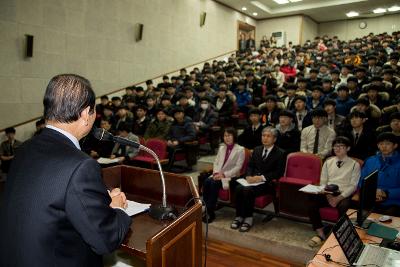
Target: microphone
{"type": "Point", "coordinates": [159, 212]}
{"type": "Point", "coordinates": [103, 135]}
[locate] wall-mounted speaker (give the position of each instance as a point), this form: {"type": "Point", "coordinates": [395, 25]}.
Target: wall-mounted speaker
{"type": "Point", "coordinates": [138, 32]}
{"type": "Point", "coordinates": [203, 18]}
{"type": "Point", "coordinates": [29, 45]}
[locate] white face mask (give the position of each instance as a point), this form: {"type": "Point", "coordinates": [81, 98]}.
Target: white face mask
{"type": "Point", "coordinates": [204, 106]}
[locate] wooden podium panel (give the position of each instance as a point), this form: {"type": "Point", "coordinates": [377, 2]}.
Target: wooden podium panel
{"type": "Point", "coordinates": [161, 243]}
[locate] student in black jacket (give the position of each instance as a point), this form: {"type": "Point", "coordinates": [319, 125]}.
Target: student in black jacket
{"type": "Point", "coordinates": [363, 139]}
{"type": "Point", "coordinates": [289, 135]}
{"type": "Point", "coordinates": [224, 106]}
{"type": "Point", "coordinates": [251, 136]}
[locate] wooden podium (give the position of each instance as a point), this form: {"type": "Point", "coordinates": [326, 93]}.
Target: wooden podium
{"type": "Point", "coordinates": [160, 243]}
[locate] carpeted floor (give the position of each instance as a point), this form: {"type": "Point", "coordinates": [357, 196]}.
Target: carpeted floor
{"type": "Point", "coordinates": [280, 237]}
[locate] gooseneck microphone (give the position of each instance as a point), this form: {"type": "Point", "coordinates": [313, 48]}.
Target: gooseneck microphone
{"type": "Point", "coordinates": [159, 212]}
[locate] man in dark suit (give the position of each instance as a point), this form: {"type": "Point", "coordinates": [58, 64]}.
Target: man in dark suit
{"type": "Point", "coordinates": [56, 209]}
{"type": "Point", "coordinates": [363, 139]}
{"type": "Point", "coordinates": [267, 163]}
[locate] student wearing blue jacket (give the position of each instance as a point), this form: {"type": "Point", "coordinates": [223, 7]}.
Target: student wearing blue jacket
{"type": "Point", "coordinates": [387, 161]}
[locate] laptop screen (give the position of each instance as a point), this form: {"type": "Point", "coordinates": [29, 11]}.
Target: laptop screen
{"type": "Point", "coordinates": [348, 239]}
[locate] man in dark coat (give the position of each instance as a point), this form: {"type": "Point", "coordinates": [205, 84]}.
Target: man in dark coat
{"type": "Point", "coordinates": [56, 209]}
{"type": "Point", "coordinates": [267, 163]}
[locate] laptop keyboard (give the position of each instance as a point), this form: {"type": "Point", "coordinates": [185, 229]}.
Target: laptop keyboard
{"type": "Point", "coordinates": [374, 255]}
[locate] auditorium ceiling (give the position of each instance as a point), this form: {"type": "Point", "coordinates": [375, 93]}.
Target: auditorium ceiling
{"type": "Point", "coordinates": [318, 10]}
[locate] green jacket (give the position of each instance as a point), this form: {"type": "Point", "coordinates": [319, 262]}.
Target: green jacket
{"type": "Point", "coordinates": [157, 129]}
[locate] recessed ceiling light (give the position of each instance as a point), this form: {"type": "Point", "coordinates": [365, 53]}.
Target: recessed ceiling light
{"type": "Point", "coordinates": [379, 10]}
{"type": "Point", "coordinates": [244, 8]}
{"type": "Point", "coordinates": [255, 14]}
{"type": "Point", "coordinates": [352, 14]}
{"type": "Point", "coordinates": [281, 2]}
{"type": "Point", "coordinates": [394, 8]}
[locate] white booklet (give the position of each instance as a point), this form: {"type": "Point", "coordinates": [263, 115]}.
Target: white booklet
{"type": "Point", "coordinates": [244, 182]}
{"type": "Point", "coordinates": [313, 189]}
{"type": "Point", "coordinates": [107, 160]}
{"type": "Point", "coordinates": [136, 207]}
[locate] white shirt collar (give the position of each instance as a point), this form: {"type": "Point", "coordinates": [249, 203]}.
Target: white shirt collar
{"type": "Point", "coordinates": [66, 134]}
{"type": "Point", "coordinates": [268, 149]}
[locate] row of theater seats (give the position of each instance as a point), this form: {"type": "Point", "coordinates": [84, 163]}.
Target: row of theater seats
{"type": "Point", "coordinates": [301, 169]}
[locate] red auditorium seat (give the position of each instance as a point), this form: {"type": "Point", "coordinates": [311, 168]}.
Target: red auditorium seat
{"type": "Point", "coordinates": [301, 169]}
{"type": "Point", "coordinates": [159, 147]}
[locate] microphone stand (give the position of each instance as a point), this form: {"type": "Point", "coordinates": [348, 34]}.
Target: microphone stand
{"type": "Point", "coordinates": [160, 212]}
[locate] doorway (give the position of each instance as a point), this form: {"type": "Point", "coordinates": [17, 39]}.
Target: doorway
{"type": "Point", "coordinates": [246, 36]}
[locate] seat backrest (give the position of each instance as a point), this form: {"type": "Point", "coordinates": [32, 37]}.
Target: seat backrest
{"type": "Point", "coordinates": [305, 166]}
{"type": "Point", "coordinates": [247, 154]}
{"type": "Point", "coordinates": [158, 146]}
{"type": "Point", "coordinates": [360, 161]}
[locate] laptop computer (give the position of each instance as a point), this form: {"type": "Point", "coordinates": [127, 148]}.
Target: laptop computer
{"type": "Point", "coordinates": [358, 253]}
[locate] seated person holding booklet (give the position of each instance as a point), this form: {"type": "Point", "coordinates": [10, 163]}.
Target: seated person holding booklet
{"type": "Point", "coordinates": [267, 163]}
{"type": "Point", "coordinates": [227, 164]}
{"type": "Point", "coordinates": [342, 171]}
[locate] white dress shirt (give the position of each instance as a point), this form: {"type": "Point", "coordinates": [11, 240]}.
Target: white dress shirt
{"type": "Point", "coordinates": [326, 136]}
{"type": "Point", "coordinates": [66, 134]}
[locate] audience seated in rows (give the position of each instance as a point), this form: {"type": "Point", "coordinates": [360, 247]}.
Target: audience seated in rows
{"type": "Point", "coordinates": [343, 88]}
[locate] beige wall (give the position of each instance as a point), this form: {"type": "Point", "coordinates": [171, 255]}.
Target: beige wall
{"type": "Point", "coordinates": [309, 30]}
{"type": "Point", "coordinates": [290, 25]}
{"type": "Point", "coordinates": [95, 38]}
{"type": "Point", "coordinates": [348, 29]}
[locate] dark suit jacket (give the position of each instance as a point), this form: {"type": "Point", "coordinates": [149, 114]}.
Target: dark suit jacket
{"type": "Point", "coordinates": [366, 145]}
{"type": "Point", "coordinates": [272, 168]}
{"type": "Point", "coordinates": [55, 210]}
{"type": "Point", "coordinates": [249, 138]}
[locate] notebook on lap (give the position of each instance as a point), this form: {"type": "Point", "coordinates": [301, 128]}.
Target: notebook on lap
{"type": "Point", "coordinates": [358, 253]}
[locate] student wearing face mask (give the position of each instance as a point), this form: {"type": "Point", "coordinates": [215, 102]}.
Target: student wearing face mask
{"type": "Point", "coordinates": [204, 119]}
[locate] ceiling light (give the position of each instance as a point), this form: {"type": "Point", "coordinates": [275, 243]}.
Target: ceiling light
{"type": "Point", "coordinates": [294, 1]}
{"type": "Point", "coordinates": [261, 6]}
{"type": "Point", "coordinates": [244, 8]}
{"type": "Point", "coordinates": [379, 10]}
{"type": "Point", "coordinates": [281, 2]}
{"type": "Point", "coordinates": [394, 8]}
{"type": "Point", "coordinates": [352, 14]}
{"type": "Point", "coordinates": [255, 14]}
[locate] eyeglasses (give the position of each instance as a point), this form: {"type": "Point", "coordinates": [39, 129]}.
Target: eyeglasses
{"type": "Point", "coordinates": [339, 146]}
